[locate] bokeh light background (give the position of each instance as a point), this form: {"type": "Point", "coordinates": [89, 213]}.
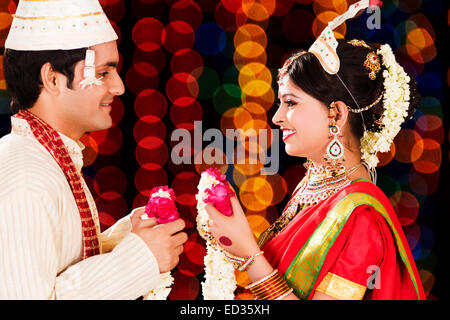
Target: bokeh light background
{"type": "Point", "coordinates": [216, 62]}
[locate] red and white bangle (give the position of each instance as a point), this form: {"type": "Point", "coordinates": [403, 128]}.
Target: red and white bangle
{"type": "Point", "coordinates": [270, 287]}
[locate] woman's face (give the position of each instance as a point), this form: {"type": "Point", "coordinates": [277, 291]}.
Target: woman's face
{"type": "Point", "coordinates": [303, 121]}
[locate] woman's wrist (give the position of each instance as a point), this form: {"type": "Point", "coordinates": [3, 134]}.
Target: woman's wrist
{"type": "Point", "coordinates": [259, 268]}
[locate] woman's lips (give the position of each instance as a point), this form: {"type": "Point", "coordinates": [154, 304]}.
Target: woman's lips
{"type": "Point", "coordinates": [287, 133]}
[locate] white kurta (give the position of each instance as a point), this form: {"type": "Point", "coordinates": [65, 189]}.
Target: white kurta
{"type": "Point", "coordinates": [41, 234]}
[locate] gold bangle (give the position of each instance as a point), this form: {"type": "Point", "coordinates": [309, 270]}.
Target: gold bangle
{"type": "Point", "coordinates": [249, 261]}
{"type": "Point", "coordinates": [251, 285]}
{"type": "Point", "coordinates": [270, 287]}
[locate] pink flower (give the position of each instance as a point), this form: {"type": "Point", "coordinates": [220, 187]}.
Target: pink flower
{"type": "Point", "coordinates": [164, 188]}
{"type": "Point", "coordinates": [216, 174]}
{"type": "Point", "coordinates": [219, 196]}
{"type": "Point", "coordinates": [162, 208]}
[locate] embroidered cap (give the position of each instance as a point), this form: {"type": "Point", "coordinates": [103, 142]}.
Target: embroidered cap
{"type": "Point", "coordinates": [58, 25]}
{"type": "Point", "coordinates": [61, 25]}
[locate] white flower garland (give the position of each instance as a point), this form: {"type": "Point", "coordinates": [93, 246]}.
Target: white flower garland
{"type": "Point", "coordinates": [220, 280]}
{"type": "Point", "coordinates": [395, 102]}
{"type": "Point", "coordinates": [163, 288]}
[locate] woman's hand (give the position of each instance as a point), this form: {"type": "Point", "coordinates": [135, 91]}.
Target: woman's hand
{"type": "Point", "coordinates": [233, 233]}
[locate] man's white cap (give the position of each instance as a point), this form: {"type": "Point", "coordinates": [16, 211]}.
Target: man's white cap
{"type": "Point", "coordinates": [61, 25]}
{"type": "Point", "coordinates": [58, 24]}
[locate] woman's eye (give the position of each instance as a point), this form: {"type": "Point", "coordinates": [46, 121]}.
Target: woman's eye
{"type": "Point", "coordinates": [290, 103]}
{"type": "Point", "coordinates": [104, 74]}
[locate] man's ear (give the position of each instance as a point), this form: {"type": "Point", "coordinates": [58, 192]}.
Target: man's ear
{"type": "Point", "coordinates": [50, 79]}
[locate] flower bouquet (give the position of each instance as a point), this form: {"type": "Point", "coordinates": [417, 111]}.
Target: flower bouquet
{"type": "Point", "coordinates": [220, 280]}
{"type": "Point", "coordinates": [161, 204]}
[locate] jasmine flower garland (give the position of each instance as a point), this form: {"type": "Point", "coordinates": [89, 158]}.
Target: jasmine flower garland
{"type": "Point", "coordinates": [395, 103]}
{"type": "Point", "coordinates": [220, 280]}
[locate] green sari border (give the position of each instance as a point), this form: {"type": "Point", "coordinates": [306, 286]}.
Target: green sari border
{"type": "Point", "coordinates": [303, 271]}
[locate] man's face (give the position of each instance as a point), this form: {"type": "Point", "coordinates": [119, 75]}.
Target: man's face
{"type": "Point", "coordinates": [85, 110]}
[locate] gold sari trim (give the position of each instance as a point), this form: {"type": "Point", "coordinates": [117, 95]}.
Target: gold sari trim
{"type": "Point", "coordinates": [341, 288]}
{"type": "Point", "coordinates": [304, 269]}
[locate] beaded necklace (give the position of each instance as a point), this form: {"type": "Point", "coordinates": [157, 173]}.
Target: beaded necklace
{"type": "Point", "coordinates": [319, 183]}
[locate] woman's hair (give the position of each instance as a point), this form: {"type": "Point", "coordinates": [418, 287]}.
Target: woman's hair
{"type": "Point", "coordinates": [308, 74]}
{"type": "Point", "coordinates": [22, 71]}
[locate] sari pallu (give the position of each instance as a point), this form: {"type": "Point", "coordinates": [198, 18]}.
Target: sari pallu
{"type": "Point", "coordinates": [307, 250]}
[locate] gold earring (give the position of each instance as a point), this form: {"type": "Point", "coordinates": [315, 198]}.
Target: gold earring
{"type": "Point", "coordinates": [335, 149]}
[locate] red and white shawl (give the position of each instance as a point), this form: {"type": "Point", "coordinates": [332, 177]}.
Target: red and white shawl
{"type": "Point", "coordinates": [50, 139]}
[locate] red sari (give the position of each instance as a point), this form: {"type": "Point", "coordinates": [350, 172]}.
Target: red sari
{"type": "Point", "coordinates": [350, 246]}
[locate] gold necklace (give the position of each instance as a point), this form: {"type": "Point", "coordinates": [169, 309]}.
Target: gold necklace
{"type": "Point", "coordinates": [319, 183]}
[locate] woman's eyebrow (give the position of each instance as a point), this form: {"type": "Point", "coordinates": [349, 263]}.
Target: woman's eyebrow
{"type": "Point", "coordinates": [290, 94]}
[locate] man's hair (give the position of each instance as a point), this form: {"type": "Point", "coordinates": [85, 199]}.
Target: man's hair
{"type": "Point", "coordinates": [22, 71]}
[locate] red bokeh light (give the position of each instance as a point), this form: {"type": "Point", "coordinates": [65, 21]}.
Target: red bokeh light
{"type": "Point", "coordinates": [108, 141]}
{"type": "Point", "coordinates": [145, 180]}
{"type": "Point", "coordinates": [182, 85]}
{"type": "Point", "coordinates": [110, 179]}
{"type": "Point", "coordinates": [184, 287]}
{"type": "Point", "coordinates": [150, 102]}
{"type": "Point", "coordinates": [188, 11]}
{"type": "Point", "coordinates": [187, 61]}
{"type": "Point", "coordinates": [141, 76]}
{"type": "Point", "coordinates": [177, 35]}
{"type": "Point", "coordinates": [149, 126]}
{"type": "Point", "coordinates": [147, 33]}
{"type": "Point", "coordinates": [184, 115]}
{"type": "Point", "coordinates": [156, 57]}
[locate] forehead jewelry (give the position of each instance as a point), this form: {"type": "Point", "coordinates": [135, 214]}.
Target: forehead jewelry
{"type": "Point", "coordinates": [89, 71]}
{"type": "Point", "coordinates": [283, 71]}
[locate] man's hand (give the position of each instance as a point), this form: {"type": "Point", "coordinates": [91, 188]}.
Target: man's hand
{"type": "Point", "coordinates": [164, 240]}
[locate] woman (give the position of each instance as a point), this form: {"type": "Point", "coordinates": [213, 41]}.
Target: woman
{"type": "Point", "coordinates": [338, 237]}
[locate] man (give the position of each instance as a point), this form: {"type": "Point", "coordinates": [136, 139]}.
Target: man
{"type": "Point", "coordinates": [60, 66]}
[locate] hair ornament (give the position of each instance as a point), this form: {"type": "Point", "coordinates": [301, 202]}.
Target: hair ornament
{"type": "Point", "coordinates": [372, 63]}
{"type": "Point", "coordinates": [395, 103]}
{"type": "Point", "coordinates": [367, 107]}
{"type": "Point", "coordinates": [359, 43]}
{"type": "Point", "coordinates": [324, 48]}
